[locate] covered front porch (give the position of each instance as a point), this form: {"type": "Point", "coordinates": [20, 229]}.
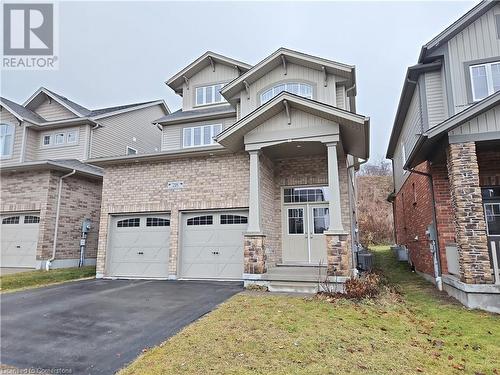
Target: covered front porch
{"type": "Point", "coordinates": [301, 225]}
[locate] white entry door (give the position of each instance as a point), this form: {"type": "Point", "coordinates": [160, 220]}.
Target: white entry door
{"type": "Point", "coordinates": [212, 245]}
{"type": "Point", "coordinates": [303, 239]}
{"type": "Point", "coordinates": [139, 246]}
{"type": "Point", "coordinates": [19, 239]}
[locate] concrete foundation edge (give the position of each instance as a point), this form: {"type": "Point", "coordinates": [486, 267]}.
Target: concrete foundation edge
{"type": "Point", "coordinates": [474, 296]}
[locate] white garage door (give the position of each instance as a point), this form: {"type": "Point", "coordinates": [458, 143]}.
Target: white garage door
{"type": "Point", "coordinates": [139, 246]}
{"type": "Point", "coordinates": [19, 239]}
{"type": "Point", "coordinates": [212, 244]}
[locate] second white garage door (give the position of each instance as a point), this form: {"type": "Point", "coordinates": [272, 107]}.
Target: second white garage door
{"type": "Point", "coordinates": [212, 244]}
{"type": "Point", "coordinates": [139, 246]}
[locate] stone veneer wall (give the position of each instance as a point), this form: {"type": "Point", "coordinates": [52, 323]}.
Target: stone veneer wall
{"type": "Point", "coordinates": [210, 182]}
{"type": "Point", "coordinates": [470, 225]}
{"type": "Point", "coordinates": [37, 191]}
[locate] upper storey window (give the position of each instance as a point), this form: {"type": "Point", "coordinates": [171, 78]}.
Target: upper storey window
{"type": "Point", "coordinates": [301, 89]}
{"type": "Point", "coordinates": [485, 79]}
{"type": "Point", "coordinates": [6, 140]}
{"type": "Point", "coordinates": [209, 95]}
{"type": "Point", "coordinates": [198, 136]}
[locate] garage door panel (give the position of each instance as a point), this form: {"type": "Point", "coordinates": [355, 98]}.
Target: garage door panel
{"type": "Point", "coordinates": [200, 242]}
{"type": "Point", "coordinates": [19, 239]}
{"type": "Point", "coordinates": [139, 251]}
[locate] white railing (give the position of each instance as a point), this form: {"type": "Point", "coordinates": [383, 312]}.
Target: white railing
{"type": "Point", "coordinates": [496, 265]}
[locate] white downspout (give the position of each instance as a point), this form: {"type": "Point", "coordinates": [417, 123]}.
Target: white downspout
{"type": "Point", "coordinates": [58, 208]}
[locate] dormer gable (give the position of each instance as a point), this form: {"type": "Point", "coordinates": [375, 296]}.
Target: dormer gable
{"type": "Point", "coordinates": [200, 83]}
{"type": "Point", "coordinates": [51, 106]}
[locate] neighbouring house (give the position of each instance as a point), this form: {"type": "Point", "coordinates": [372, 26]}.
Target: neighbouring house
{"type": "Point", "coordinates": [47, 188]}
{"type": "Point", "coordinates": [254, 181]}
{"type": "Point", "coordinates": [445, 149]}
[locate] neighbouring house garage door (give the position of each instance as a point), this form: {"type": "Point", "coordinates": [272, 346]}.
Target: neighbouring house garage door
{"type": "Point", "coordinates": [212, 244]}
{"type": "Point", "coordinates": [19, 239]}
{"type": "Point", "coordinates": [139, 246]}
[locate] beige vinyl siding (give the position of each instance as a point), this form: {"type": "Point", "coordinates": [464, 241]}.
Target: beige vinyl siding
{"type": "Point", "coordinates": [477, 41]}
{"type": "Point", "coordinates": [52, 110]}
{"type": "Point", "coordinates": [207, 76]}
{"type": "Point", "coordinates": [172, 134]}
{"type": "Point", "coordinates": [295, 73]}
{"type": "Point", "coordinates": [434, 87]}
{"type": "Point", "coordinates": [8, 118]}
{"type": "Point", "coordinates": [341, 97]}
{"type": "Point", "coordinates": [64, 151]}
{"type": "Point", "coordinates": [32, 144]}
{"type": "Point", "coordinates": [119, 131]}
{"type": "Point", "coordinates": [486, 122]}
{"type": "Point", "coordinates": [412, 126]}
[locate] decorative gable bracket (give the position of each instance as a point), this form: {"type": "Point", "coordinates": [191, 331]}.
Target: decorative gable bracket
{"type": "Point", "coordinates": [325, 76]}
{"type": "Point", "coordinates": [288, 114]}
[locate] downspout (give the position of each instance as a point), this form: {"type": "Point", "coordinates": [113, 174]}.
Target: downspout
{"type": "Point", "coordinates": [89, 145]}
{"type": "Point", "coordinates": [58, 208]}
{"type": "Point", "coordinates": [437, 253]}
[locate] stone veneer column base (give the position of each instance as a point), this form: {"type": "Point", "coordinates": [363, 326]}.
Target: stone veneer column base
{"type": "Point", "coordinates": [338, 254]}
{"type": "Point", "coordinates": [255, 254]}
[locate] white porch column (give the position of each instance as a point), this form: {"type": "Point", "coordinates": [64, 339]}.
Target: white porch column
{"type": "Point", "coordinates": [254, 199]}
{"type": "Point", "coordinates": [334, 208]}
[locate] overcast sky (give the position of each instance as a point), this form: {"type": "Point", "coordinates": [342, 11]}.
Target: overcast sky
{"type": "Point", "coordinates": [119, 52]}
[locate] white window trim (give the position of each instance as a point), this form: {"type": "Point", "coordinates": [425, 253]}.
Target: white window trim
{"type": "Point", "coordinates": [65, 142]}
{"type": "Point", "coordinates": [286, 84]}
{"type": "Point", "coordinates": [192, 128]}
{"type": "Point", "coordinates": [76, 137]}
{"type": "Point", "coordinates": [489, 78]}
{"type": "Point", "coordinates": [204, 88]}
{"type": "Point", "coordinates": [9, 155]}
{"type": "Point", "coordinates": [131, 148]}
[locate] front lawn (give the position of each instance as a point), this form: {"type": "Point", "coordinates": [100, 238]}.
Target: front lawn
{"type": "Point", "coordinates": [420, 332]}
{"type": "Point", "coordinates": [32, 279]}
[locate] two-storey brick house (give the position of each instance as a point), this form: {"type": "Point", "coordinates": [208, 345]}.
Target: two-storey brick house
{"type": "Point", "coordinates": [254, 181]}
{"type": "Point", "coordinates": [47, 188]}
{"type": "Point", "coordinates": [445, 148]}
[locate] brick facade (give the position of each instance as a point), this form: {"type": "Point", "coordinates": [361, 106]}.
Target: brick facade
{"type": "Point", "coordinates": [37, 191]}
{"type": "Point", "coordinates": [470, 225]}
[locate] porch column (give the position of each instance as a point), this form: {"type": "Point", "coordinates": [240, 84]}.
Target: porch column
{"type": "Point", "coordinates": [470, 225]}
{"type": "Point", "coordinates": [337, 240]}
{"type": "Point", "coordinates": [254, 190]}
{"type": "Point", "coordinates": [254, 244]}
{"type": "Point", "coordinates": [334, 208]}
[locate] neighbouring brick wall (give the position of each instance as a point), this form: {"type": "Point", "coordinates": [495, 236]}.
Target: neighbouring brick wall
{"type": "Point", "coordinates": [213, 182]}
{"type": "Point", "coordinates": [80, 199]}
{"type": "Point", "coordinates": [470, 225]}
{"type": "Point", "coordinates": [413, 214]}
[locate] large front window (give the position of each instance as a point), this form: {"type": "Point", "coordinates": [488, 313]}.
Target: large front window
{"type": "Point", "coordinates": [6, 139]}
{"type": "Point", "coordinates": [301, 89]}
{"type": "Point", "coordinates": [209, 94]}
{"type": "Point", "coordinates": [201, 135]}
{"type": "Point", "coordinates": [485, 80]}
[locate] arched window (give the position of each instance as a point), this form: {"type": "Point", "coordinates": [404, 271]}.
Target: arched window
{"type": "Point", "coordinates": [6, 139]}
{"type": "Point", "coordinates": [127, 223]}
{"type": "Point", "coordinates": [233, 219]}
{"type": "Point", "coordinates": [201, 220]}
{"type": "Point", "coordinates": [301, 89]}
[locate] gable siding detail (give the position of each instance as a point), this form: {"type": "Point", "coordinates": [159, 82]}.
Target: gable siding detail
{"type": "Point", "coordinates": [172, 134]}
{"type": "Point", "coordinates": [206, 77]}
{"type": "Point", "coordinates": [436, 111]}
{"type": "Point", "coordinates": [341, 97]}
{"type": "Point", "coordinates": [295, 73]}
{"type": "Point", "coordinates": [52, 110]}
{"type": "Point", "coordinates": [477, 41]}
{"type": "Point", "coordinates": [7, 118]}
{"type": "Point", "coordinates": [486, 122]}
{"type": "Point", "coordinates": [119, 131]}
{"type": "Point", "coordinates": [412, 126]}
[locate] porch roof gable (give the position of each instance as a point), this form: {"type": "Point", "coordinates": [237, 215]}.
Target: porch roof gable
{"type": "Point", "coordinates": [354, 128]}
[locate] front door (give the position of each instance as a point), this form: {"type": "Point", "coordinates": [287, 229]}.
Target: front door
{"type": "Point", "coordinates": [303, 226]}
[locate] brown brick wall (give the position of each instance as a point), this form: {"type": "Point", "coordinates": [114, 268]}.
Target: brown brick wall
{"type": "Point", "coordinates": [37, 191]}
{"type": "Point", "coordinates": [470, 226]}
{"type": "Point", "coordinates": [213, 182]}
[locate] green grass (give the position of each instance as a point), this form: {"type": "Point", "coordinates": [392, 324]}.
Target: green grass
{"type": "Point", "coordinates": [419, 331]}
{"type": "Point", "coordinates": [24, 280]}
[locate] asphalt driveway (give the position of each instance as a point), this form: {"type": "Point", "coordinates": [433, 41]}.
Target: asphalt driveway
{"type": "Point", "coordinates": [98, 326]}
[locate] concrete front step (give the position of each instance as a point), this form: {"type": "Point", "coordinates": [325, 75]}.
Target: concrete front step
{"type": "Point", "coordinates": [292, 287]}
{"type": "Point", "coordinates": [293, 273]}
